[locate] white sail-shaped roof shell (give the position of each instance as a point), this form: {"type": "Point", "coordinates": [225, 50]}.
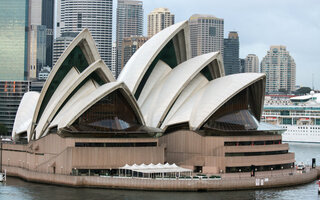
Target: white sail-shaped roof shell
{"type": "Point", "coordinates": [25, 113]}
{"type": "Point", "coordinates": [139, 63]}
{"type": "Point", "coordinates": [164, 94]}
{"type": "Point", "coordinates": [86, 90]}
{"type": "Point", "coordinates": [72, 80]}
{"type": "Point", "coordinates": [205, 102]}
{"type": "Point", "coordinates": [84, 104]}
{"type": "Point", "coordinates": [85, 41]}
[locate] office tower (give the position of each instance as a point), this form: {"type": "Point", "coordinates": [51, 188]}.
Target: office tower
{"type": "Point", "coordinates": [231, 54]}
{"type": "Point", "coordinates": [60, 44]}
{"type": "Point", "coordinates": [252, 63]}
{"type": "Point", "coordinates": [40, 36]}
{"type": "Point", "coordinates": [96, 15]}
{"type": "Point", "coordinates": [206, 34]}
{"type": "Point", "coordinates": [159, 19]}
{"type": "Point", "coordinates": [47, 20]}
{"type": "Point", "coordinates": [280, 69]}
{"type": "Point", "coordinates": [13, 39]}
{"type": "Point", "coordinates": [129, 22]}
{"type": "Point", "coordinates": [242, 65]}
{"type": "Point", "coordinates": [130, 46]}
{"type": "Point", "coordinates": [114, 59]}
{"type": "Point", "coordinates": [11, 93]}
{"type": "Point", "coordinates": [36, 50]}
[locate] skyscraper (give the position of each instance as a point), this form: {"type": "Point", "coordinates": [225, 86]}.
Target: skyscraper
{"type": "Point", "coordinates": [231, 54]}
{"type": "Point", "coordinates": [280, 69]}
{"type": "Point", "coordinates": [159, 19]}
{"type": "Point", "coordinates": [206, 34]}
{"type": "Point", "coordinates": [11, 93]}
{"type": "Point", "coordinates": [130, 46]}
{"type": "Point", "coordinates": [96, 15]}
{"type": "Point", "coordinates": [129, 22]}
{"type": "Point", "coordinates": [13, 39]}
{"type": "Point", "coordinates": [60, 44]}
{"type": "Point", "coordinates": [242, 65]}
{"type": "Point", "coordinates": [114, 59]}
{"type": "Point", "coordinates": [252, 63]}
{"type": "Point", "coordinates": [47, 20]}
{"type": "Point", "coordinates": [36, 50]}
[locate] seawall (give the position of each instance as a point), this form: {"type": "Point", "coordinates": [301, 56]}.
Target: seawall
{"type": "Point", "coordinates": [226, 183]}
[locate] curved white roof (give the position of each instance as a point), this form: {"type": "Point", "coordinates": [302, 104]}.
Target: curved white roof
{"type": "Point", "coordinates": [195, 85]}
{"type": "Point", "coordinates": [138, 64]}
{"type": "Point", "coordinates": [25, 113]}
{"type": "Point", "coordinates": [204, 103]}
{"type": "Point", "coordinates": [160, 71]}
{"type": "Point", "coordinates": [65, 88]}
{"type": "Point", "coordinates": [162, 97]}
{"type": "Point", "coordinates": [86, 90]}
{"type": "Point", "coordinates": [85, 41]}
{"type": "Point", "coordinates": [84, 104]}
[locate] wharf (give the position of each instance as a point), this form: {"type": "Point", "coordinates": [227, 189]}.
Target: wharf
{"type": "Point", "coordinates": [236, 181]}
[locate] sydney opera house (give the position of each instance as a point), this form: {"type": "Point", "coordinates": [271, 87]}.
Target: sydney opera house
{"type": "Point", "coordinates": [164, 107]}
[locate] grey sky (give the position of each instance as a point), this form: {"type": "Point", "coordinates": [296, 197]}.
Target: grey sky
{"type": "Point", "coordinates": [261, 23]}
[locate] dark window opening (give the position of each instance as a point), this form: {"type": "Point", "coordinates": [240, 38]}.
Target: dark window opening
{"type": "Point", "coordinates": [114, 144]}
{"type": "Point", "coordinates": [259, 168]}
{"type": "Point", "coordinates": [266, 153]}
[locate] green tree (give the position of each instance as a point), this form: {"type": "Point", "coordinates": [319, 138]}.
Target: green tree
{"type": "Point", "coordinates": [3, 130]}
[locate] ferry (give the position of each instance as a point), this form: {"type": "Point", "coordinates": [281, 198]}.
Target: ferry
{"type": "Point", "coordinates": [299, 115]}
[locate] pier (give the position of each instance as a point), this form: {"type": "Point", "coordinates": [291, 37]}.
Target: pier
{"type": "Point", "coordinates": [234, 181]}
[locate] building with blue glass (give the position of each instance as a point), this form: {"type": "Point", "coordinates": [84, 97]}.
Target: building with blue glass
{"type": "Point", "coordinates": [13, 39]}
{"type": "Point", "coordinates": [231, 54]}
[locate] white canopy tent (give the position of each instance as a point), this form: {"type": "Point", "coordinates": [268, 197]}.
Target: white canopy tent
{"type": "Point", "coordinates": [155, 169]}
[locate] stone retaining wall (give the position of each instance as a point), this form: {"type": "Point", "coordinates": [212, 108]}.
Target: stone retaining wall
{"type": "Point", "coordinates": [226, 183]}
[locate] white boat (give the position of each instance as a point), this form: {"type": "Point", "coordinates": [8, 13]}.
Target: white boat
{"type": "Point", "coordinates": [299, 115]}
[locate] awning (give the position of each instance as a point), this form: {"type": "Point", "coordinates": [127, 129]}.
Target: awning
{"type": "Point", "coordinates": [151, 168]}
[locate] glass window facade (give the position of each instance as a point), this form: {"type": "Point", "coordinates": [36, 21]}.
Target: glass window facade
{"type": "Point", "coordinates": [111, 113]}
{"type": "Point", "coordinates": [234, 115]}
{"type": "Point", "coordinates": [13, 39]}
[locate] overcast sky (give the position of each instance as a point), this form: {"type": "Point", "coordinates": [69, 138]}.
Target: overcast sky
{"type": "Point", "coordinates": [261, 23]}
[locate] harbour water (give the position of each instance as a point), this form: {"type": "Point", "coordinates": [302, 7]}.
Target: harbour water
{"type": "Point", "coordinates": [16, 189]}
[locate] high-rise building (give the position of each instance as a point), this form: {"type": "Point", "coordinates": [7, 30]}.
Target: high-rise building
{"type": "Point", "coordinates": [242, 65]}
{"type": "Point", "coordinates": [231, 54]}
{"type": "Point", "coordinates": [13, 39]}
{"type": "Point", "coordinates": [47, 20]}
{"type": "Point", "coordinates": [129, 22]}
{"type": "Point", "coordinates": [114, 59]}
{"type": "Point", "coordinates": [206, 34]}
{"type": "Point", "coordinates": [159, 19]}
{"type": "Point", "coordinates": [37, 50]}
{"type": "Point", "coordinates": [11, 93]}
{"type": "Point", "coordinates": [96, 15]}
{"type": "Point", "coordinates": [280, 69]}
{"type": "Point", "coordinates": [252, 63]}
{"type": "Point", "coordinates": [60, 44]}
{"type": "Point", "coordinates": [130, 46]}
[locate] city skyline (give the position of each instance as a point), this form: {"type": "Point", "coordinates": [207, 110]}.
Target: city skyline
{"type": "Point", "coordinates": [260, 25]}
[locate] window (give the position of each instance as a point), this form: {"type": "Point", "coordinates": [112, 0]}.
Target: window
{"type": "Point", "coordinates": [212, 31]}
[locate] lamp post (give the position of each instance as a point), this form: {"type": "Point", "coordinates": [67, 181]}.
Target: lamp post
{"type": "Point", "coordinates": [239, 173]}
{"type": "Point", "coordinates": [271, 171]}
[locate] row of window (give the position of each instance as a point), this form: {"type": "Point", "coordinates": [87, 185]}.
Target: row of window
{"type": "Point", "coordinates": [259, 168]}
{"type": "Point", "coordinates": [248, 143]}
{"type": "Point", "coordinates": [115, 144]}
{"type": "Point", "coordinates": [266, 153]}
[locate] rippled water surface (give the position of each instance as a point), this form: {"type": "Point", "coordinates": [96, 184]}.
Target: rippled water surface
{"type": "Point", "coordinates": [16, 189]}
